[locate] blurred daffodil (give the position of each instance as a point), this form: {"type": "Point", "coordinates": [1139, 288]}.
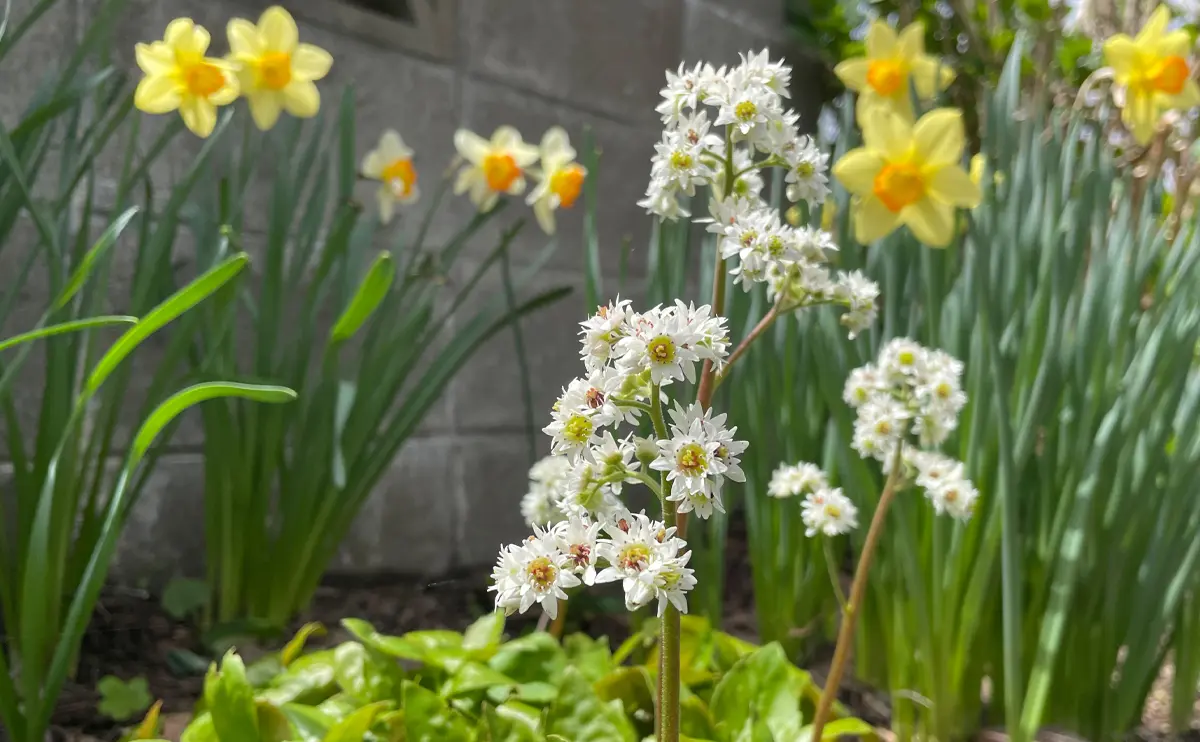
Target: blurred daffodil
{"type": "Point", "coordinates": [909, 175]}
{"type": "Point", "coordinates": [390, 163]}
{"type": "Point", "coordinates": [561, 178]}
{"type": "Point", "coordinates": [979, 168]}
{"type": "Point", "coordinates": [179, 77]}
{"type": "Point", "coordinates": [882, 77]}
{"type": "Point", "coordinates": [493, 167]}
{"type": "Point", "coordinates": [1153, 73]}
{"type": "Point", "coordinates": [275, 70]}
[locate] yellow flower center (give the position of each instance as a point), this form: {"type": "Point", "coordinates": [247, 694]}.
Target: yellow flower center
{"type": "Point", "coordinates": [542, 572]}
{"type": "Point", "coordinates": [578, 429]}
{"type": "Point", "coordinates": [885, 75]}
{"type": "Point", "coordinates": [691, 459]}
{"type": "Point", "coordinates": [907, 358]}
{"type": "Point", "coordinates": [950, 495]}
{"type": "Point", "coordinates": [883, 427]}
{"type": "Point", "coordinates": [942, 390]}
{"type": "Point", "coordinates": [805, 170]}
{"type": "Point", "coordinates": [633, 558]}
{"type": "Point", "coordinates": [745, 110]}
{"type": "Point", "coordinates": [400, 173]}
{"type": "Point", "coordinates": [681, 160]}
{"type": "Point", "coordinates": [1167, 75]}
{"type": "Point", "coordinates": [833, 511]}
{"type": "Point", "coordinates": [566, 184]}
{"type": "Point", "coordinates": [203, 78]}
{"type": "Point", "coordinates": [775, 246]}
{"type": "Point", "coordinates": [899, 184]}
{"type": "Point", "coordinates": [661, 349]}
{"type": "Point", "coordinates": [501, 171]}
{"type": "Point", "coordinates": [275, 70]}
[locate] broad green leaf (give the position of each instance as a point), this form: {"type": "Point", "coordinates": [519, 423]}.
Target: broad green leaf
{"type": "Point", "coordinates": [591, 656]}
{"type": "Point", "coordinates": [64, 327]}
{"type": "Point", "coordinates": [395, 646]}
{"type": "Point", "coordinates": [273, 724]}
{"type": "Point", "coordinates": [230, 700]}
{"type": "Point", "coordinates": [694, 719]}
{"type": "Point", "coordinates": [758, 687]}
{"type": "Point", "coordinates": [354, 727]}
{"type": "Point", "coordinates": [633, 687]}
{"type": "Point", "coordinates": [530, 659]}
{"type": "Point", "coordinates": [311, 725]}
{"type": "Point", "coordinates": [841, 728]}
{"type": "Point", "coordinates": [471, 677]}
{"type": "Point", "coordinates": [181, 400]}
{"type": "Point", "coordinates": [201, 729]}
{"type": "Point", "coordinates": [339, 706]}
{"type": "Point", "coordinates": [120, 700]}
{"type": "Point", "coordinates": [371, 292]}
{"type": "Point", "coordinates": [427, 718]}
{"type": "Point", "coordinates": [175, 305]}
{"type": "Point", "coordinates": [296, 645]}
{"type": "Point", "coordinates": [183, 597]}
{"type": "Point", "coordinates": [510, 722]}
{"type": "Point", "coordinates": [366, 675]}
{"type": "Point", "coordinates": [309, 679]}
{"type": "Point", "coordinates": [579, 715]}
{"type": "Point", "coordinates": [485, 634]}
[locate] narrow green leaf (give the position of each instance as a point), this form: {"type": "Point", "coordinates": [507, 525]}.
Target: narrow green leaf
{"type": "Point", "coordinates": [84, 270]}
{"type": "Point", "coordinates": [182, 400]}
{"type": "Point", "coordinates": [65, 327]}
{"type": "Point", "coordinates": [370, 293]}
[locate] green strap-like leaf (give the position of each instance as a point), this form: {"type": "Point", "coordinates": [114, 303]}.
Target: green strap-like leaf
{"type": "Point", "coordinates": [178, 303]}
{"type": "Point", "coordinates": [84, 270]}
{"type": "Point", "coordinates": [180, 401]}
{"type": "Point", "coordinates": [366, 300]}
{"type": "Point", "coordinates": [64, 327]}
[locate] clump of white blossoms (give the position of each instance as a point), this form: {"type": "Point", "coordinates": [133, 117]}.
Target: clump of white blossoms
{"type": "Point", "coordinates": [631, 359]}
{"type": "Point", "coordinates": [722, 127]}
{"type": "Point", "coordinates": [912, 397]}
{"type": "Point", "coordinates": [824, 509]}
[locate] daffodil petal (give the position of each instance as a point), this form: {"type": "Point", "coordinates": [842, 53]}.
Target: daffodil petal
{"type": "Point", "coordinates": [853, 73]}
{"type": "Point", "coordinates": [198, 115]}
{"type": "Point", "coordinates": [912, 41]}
{"type": "Point", "coordinates": [156, 94]}
{"type": "Point", "coordinates": [1187, 98]}
{"type": "Point", "coordinates": [978, 168]}
{"type": "Point", "coordinates": [278, 29]}
{"type": "Point", "coordinates": [372, 165]}
{"type": "Point", "coordinates": [857, 170]}
{"type": "Point", "coordinates": [545, 215]}
{"type": "Point", "coordinates": [180, 34]}
{"type": "Point", "coordinates": [517, 187]}
{"type": "Point", "coordinates": [953, 185]}
{"type": "Point", "coordinates": [310, 62]}
{"type": "Point", "coordinates": [301, 99]}
{"type": "Point", "coordinates": [872, 220]}
{"type": "Point", "coordinates": [466, 178]}
{"type": "Point", "coordinates": [939, 138]}
{"type": "Point", "coordinates": [887, 133]}
{"type": "Point", "coordinates": [1120, 53]}
{"type": "Point", "coordinates": [931, 221]}
{"type": "Point", "coordinates": [930, 76]}
{"type": "Point", "coordinates": [265, 108]}
{"type": "Point", "coordinates": [243, 38]}
{"type": "Point", "coordinates": [154, 59]}
{"type": "Point", "coordinates": [869, 102]}
{"type": "Point", "coordinates": [881, 41]}
{"type": "Point", "coordinates": [1140, 115]}
{"type": "Point", "coordinates": [387, 204]}
{"type": "Point", "coordinates": [227, 94]}
{"type": "Point", "coordinates": [1156, 26]}
{"type": "Point", "coordinates": [471, 146]}
{"type": "Point", "coordinates": [524, 154]}
{"type": "Point", "coordinates": [392, 147]}
{"type": "Point", "coordinates": [1175, 44]}
{"type": "Point", "coordinates": [556, 146]}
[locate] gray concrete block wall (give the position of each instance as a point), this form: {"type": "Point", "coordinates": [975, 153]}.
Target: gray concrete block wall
{"type": "Point", "coordinates": [452, 495]}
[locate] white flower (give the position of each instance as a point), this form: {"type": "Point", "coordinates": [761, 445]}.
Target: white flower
{"type": "Point", "coordinates": [661, 201]}
{"type": "Point", "coordinates": [955, 496]}
{"type": "Point", "coordinates": [858, 293]}
{"type": "Point", "coordinates": [602, 331]}
{"type": "Point", "coordinates": [901, 359]}
{"type": "Point", "coordinates": [614, 458]}
{"type": "Point", "coordinates": [634, 543]}
{"type": "Point", "coordinates": [561, 178]}
{"type": "Point", "coordinates": [493, 167]}
{"type": "Point", "coordinates": [745, 105]}
{"type": "Point", "coordinates": [576, 538]}
{"type": "Point", "coordinates": [806, 176]}
{"type": "Point", "coordinates": [934, 468]}
{"type": "Point", "coordinates": [585, 495]}
{"type": "Point", "coordinates": [390, 163]}
{"type": "Point", "coordinates": [667, 579]}
{"type": "Point", "coordinates": [688, 459]}
{"type": "Point", "coordinates": [862, 384]}
{"type": "Point", "coordinates": [759, 69]}
{"type": "Point", "coordinates": [881, 424]}
{"type": "Point", "coordinates": [797, 479]}
{"type": "Point", "coordinates": [703, 504]}
{"type": "Point", "coordinates": [592, 395]}
{"type": "Point", "coordinates": [571, 430]}
{"type": "Point", "coordinates": [547, 477]}
{"type": "Point", "coordinates": [686, 89]}
{"type": "Point", "coordinates": [661, 343]}
{"type": "Point", "coordinates": [828, 511]}
{"type": "Point", "coordinates": [532, 572]}
{"type": "Point", "coordinates": [680, 164]}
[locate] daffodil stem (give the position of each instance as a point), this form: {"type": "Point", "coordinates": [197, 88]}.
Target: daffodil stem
{"type": "Point", "coordinates": [858, 589]}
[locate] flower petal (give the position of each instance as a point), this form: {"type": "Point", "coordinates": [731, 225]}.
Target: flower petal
{"type": "Point", "coordinates": [301, 99]}
{"type": "Point", "coordinates": [939, 138]}
{"type": "Point", "coordinates": [1156, 26]}
{"type": "Point", "coordinates": [387, 204]}
{"type": "Point", "coordinates": [1140, 115]}
{"type": "Point", "coordinates": [372, 165]}
{"type": "Point", "coordinates": [930, 76]}
{"type": "Point", "coordinates": [198, 115]}
{"type": "Point", "coordinates": [278, 29]}
{"type": "Point", "coordinates": [1187, 98]}
{"type": "Point", "coordinates": [912, 41]}
{"type": "Point", "coordinates": [471, 146]}
{"type": "Point", "coordinates": [885, 132]}
{"type": "Point", "coordinates": [1120, 53]}
{"type": "Point", "coordinates": [392, 147]}
{"type": "Point", "coordinates": [556, 146]}
{"type": "Point", "coordinates": [872, 220]}
{"type": "Point", "coordinates": [506, 137]}
{"type": "Point", "coordinates": [243, 38]}
{"type": "Point", "coordinates": [184, 35]}
{"type": "Point", "coordinates": [881, 41]}
{"type": "Point", "coordinates": [265, 108]}
{"type": "Point", "coordinates": [931, 221]}
{"type": "Point", "coordinates": [953, 185]}
{"type": "Point", "coordinates": [156, 94]}
{"type": "Point", "coordinates": [154, 59]}
{"type": "Point", "coordinates": [544, 212]}
{"type": "Point", "coordinates": [1175, 44]}
{"type": "Point", "coordinates": [857, 170]}
{"type": "Point", "coordinates": [853, 73]}
{"type": "Point", "coordinates": [311, 62]}
{"type": "Point", "coordinates": [228, 93]}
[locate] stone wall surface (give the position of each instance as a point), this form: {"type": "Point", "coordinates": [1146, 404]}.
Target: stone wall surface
{"type": "Point", "coordinates": [451, 496]}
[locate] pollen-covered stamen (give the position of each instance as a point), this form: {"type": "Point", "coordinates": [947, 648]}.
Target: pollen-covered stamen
{"type": "Point", "coordinates": [634, 557]}
{"type": "Point", "coordinates": [542, 573]}
{"type": "Point", "coordinates": [748, 237]}
{"type": "Point", "coordinates": [681, 160]}
{"type": "Point", "coordinates": [275, 70]}
{"type": "Point", "coordinates": [776, 246]}
{"type": "Point", "coordinates": [578, 429]}
{"type": "Point", "coordinates": [906, 358]}
{"type": "Point", "coordinates": [805, 169]}
{"type": "Point", "coordinates": [883, 427]}
{"type": "Point", "coordinates": [661, 349]}
{"type": "Point", "coordinates": [623, 525]}
{"type": "Point", "coordinates": [693, 136]}
{"type": "Point", "coordinates": [203, 79]}
{"type": "Point", "coordinates": [832, 510]}
{"type": "Point", "coordinates": [692, 459]}
{"type": "Point", "coordinates": [500, 170]}
{"type": "Point", "coordinates": [580, 554]}
{"type": "Point", "coordinates": [943, 390]}
{"type": "Point", "coordinates": [745, 111]}
{"type": "Point", "coordinates": [594, 398]}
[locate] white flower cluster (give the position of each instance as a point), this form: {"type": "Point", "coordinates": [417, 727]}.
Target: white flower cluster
{"type": "Point", "coordinates": [825, 509]}
{"type": "Point", "coordinates": [574, 494]}
{"type": "Point", "coordinates": [913, 392]}
{"type": "Point", "coordinates": [755, 131]}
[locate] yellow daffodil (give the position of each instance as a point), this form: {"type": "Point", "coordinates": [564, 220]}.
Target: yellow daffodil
{"type": "Point", "coordinates": [1153, 73]}
{"type": "Point", "coordinates": [179, 76]}
{"type": "Point", "coordinates": [909, 175]}
{"type": "Point", "coordinates": [882, 78]}
{"type": "Point", "coordinates": [391, 164]}
{"type": "Point", "coordinates": [275, 70]}
{"type": "Point", "coordinates": [561, 178]}
{"type": "Point", "coordinates": [493, 167]}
